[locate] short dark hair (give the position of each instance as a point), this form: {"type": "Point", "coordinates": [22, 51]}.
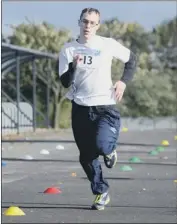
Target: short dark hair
{"type": "Point", "coordinates": [89, 10]}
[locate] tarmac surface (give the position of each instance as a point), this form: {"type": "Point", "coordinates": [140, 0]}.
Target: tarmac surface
{"type": "Point", "coordinates": [145, 194]}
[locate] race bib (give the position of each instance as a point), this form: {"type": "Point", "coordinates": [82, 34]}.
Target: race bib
{"type": "Point", "coordinates": [90, 58]}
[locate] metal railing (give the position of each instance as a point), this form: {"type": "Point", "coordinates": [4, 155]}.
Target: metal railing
{"type": "Point", "coordinates": [12, 61]}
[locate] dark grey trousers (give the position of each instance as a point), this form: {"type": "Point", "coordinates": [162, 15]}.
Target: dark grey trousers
{"type": "Point", "coordinates": [96, 131]}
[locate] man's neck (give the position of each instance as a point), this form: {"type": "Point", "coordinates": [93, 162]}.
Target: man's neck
{"type": "Point", "coordinates": [83, 40]}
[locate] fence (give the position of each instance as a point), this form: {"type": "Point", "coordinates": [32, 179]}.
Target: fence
{"type": "Point", "coordinates": [20, 112]}
{"type": "Point", "coordinates": [9, 118]}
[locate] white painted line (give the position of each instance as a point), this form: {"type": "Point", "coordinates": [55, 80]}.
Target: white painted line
{"type": "Point", "coordinates": [10, 180]}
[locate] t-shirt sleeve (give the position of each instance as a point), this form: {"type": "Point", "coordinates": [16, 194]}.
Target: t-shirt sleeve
{"type": "Point", "coordinates": [119, 51]}
{"type": "Point", "coordinates": [64, 60]}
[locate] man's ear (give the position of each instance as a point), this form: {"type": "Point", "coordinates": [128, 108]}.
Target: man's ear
{"type": "Point", "coordinates": [79, 22]}
{"type": "Point", "coordinates": [98, 26]}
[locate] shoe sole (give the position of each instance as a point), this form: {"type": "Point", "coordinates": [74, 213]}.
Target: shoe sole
{"type": "Point", "coordinates": [94, 207]}
{"type": "Point", "coordinates": [115, 161]}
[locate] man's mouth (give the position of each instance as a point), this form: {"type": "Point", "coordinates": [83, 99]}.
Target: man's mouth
{"type": "Point", "coordinates": [86, 31]}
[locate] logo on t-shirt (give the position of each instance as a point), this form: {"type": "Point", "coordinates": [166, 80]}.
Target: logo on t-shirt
{"type": "Point", "coordinates": [91, 52]}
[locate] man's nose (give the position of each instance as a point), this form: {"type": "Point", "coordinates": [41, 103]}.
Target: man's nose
{"type": "Point", "coordinates": [88, 25]}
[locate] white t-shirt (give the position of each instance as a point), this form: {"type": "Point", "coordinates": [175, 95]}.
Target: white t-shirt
{"type": "Point", "coordinates": [92, 84]}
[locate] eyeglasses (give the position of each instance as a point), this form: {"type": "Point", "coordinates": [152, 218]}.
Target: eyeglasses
{"type": "Point", "coordinates": [86, 22]}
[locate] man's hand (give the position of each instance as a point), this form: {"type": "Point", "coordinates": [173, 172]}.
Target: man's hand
{"type": "Point", "coordinates": [76, 60]}
{"type": "Point", "coordinates": [119, 89]}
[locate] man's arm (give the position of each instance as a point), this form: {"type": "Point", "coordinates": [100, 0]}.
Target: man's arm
{"type": "Point", "coordinates": [129, 68]}
{"type": "Point", "coordinates": [68, 76]}
{"type": "Point", "coordinates": [129, 59]}
{"type": "Point", "coordinates": [67, 67]}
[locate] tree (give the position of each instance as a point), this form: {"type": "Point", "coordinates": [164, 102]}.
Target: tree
{"type": "Point", "coordinates": [44, 37]}
{"type": "Point", "coordinates": [149, 95]}
{"type": "Point", "coordinates": [166, 33]}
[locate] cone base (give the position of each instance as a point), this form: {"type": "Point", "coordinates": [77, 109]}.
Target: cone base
{"type": "Point", "coordinates": [160, 149]}
{"type": "Point", "coordinates": [13, 211]}
{"type": "Point", "coordinates": [135, 160]}
{"type": "Point", "coordinates": [52, 190]}
{"type": "Point", "coordinates": [165, 143]}
{"type": "Point", "coordinates": [126, 168]}
{"type": "Point", "coordinates": [153, 153]}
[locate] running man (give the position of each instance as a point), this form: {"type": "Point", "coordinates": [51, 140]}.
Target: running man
{"type": "Point", "coordinates": [85, 68]}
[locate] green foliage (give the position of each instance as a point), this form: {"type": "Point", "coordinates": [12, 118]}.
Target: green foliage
{"type": "Point", "coordinates": [65, 115]}
{"type": "Point", "coordinates": [166, 34]}
{"type": "Point", "coordinates": [150, 96]}
{"type": "Point", "coordinates": [44, 37]}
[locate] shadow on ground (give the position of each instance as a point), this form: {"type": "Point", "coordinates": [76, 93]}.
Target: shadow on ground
{"type": "Point", "coordinates": [76, 161]}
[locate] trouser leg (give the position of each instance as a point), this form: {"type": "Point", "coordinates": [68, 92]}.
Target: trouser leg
{"type": "Point", "coordinates": [84, 131]}
{"type": "Point", "coordinates": [108, 127]}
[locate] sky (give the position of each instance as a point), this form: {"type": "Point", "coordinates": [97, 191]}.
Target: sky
{"type": "Point", "coordinates": [66, 14]}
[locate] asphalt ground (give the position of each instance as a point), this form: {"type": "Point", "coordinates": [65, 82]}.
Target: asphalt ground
{"type": "Point", "coordinates": [145, 194]}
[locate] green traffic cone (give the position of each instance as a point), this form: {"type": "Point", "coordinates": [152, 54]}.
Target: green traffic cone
{"type": "Point", "coordinates": [153, 152]}
{"type": "Point", "coordinates": [135, 160]}
{"type": "Point", "coordinates": [125, 168]}
{"type": "Point", "coordinates": [160, 149]}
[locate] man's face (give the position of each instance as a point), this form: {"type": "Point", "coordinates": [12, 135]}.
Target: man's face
{"type": "Point", "coordinates": [89, 24]}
